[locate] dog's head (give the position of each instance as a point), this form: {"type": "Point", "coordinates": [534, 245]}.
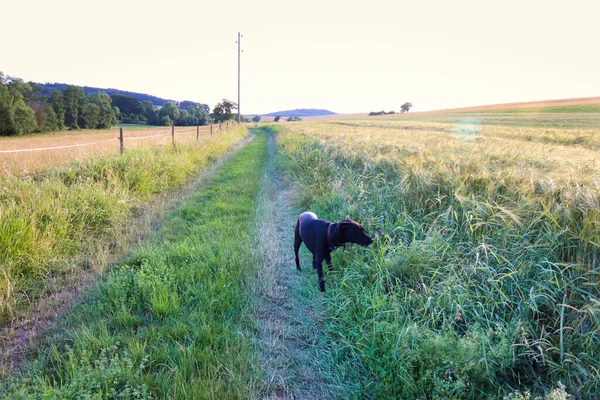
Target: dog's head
{"type": "Point", "coordinates": [353, 232]}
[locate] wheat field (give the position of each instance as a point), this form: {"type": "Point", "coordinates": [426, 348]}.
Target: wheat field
{"type": "Point", "coordinates": [483, 279]}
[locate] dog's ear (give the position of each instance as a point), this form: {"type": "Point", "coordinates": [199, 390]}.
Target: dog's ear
{"type": "Point", "coordinates": [345, 224]}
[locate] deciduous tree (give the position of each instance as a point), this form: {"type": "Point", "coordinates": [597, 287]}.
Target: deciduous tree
{"type": "Point", "coordinates": [223, 111]}
{"type": "Point", "coordinates": [74, 102]}
{"type": "Point", "coordinates": [16, 118]}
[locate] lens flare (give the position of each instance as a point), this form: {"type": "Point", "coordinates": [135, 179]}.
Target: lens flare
{"type": "Point", "coordinates": [468, 128]}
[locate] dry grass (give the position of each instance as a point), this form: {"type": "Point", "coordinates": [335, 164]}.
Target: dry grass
{"type": "Point", "coordinates": [33, 161]}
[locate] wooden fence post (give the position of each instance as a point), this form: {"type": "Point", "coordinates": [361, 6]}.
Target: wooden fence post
{"type": "Point", "coordinates": [121, 138]}
{"type": "Point", "coordinates": [197, 131]}
{"type": "Point", "coordinates": [219, 126]}
{"type": "Point", "coordinates": [173, 133]}
{"type": "Point", "coordinates": [210, 129]}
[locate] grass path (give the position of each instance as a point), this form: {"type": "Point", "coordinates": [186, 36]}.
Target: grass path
{"type": "Point", "coordinates": [288, 307]}
{"type": "Point", "coordinates": [209, 306]}
{"type": "Point", "coordinates": [175, 319]}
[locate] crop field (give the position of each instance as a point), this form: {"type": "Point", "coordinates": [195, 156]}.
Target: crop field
{"type": "Point", "coordinates": [482, 283]}
{"type": "Point", "coordinates": [484, 276]}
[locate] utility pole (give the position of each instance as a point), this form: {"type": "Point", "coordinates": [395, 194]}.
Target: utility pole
{"type": "Point", "coordinates": [238, 103]}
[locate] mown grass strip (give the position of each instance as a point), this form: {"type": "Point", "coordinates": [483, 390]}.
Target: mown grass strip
{"type": "Point", "coordinates": [288, 307]}
{"type": "Point", "coordinates": [175, 320]}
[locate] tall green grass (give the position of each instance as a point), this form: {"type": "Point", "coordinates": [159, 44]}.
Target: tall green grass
{"type": "Point", "coordinates": [47, 217]}
{"type": "Point", "coordinates": [174, 321]}
{"type": "Point", "coordinates": [479, 284]}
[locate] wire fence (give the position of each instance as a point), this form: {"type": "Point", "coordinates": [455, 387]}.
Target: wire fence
{"type": "Point", "coordinates": [25, 155]}
{"type": "Point", "coordinates": [121, 139]}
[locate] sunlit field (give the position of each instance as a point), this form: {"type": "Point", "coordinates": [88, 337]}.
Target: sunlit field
{"type": "Point", "coordinates": [483, 279]}
{"type": "Point", "coordinates": [31, 156]}
{"type": "Point", "coordinates": [46, 219]}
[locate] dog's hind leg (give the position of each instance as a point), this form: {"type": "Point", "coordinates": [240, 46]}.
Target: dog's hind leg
{"type": "Point", "coordinates": [297, 243]}
{"type": "Point", "coordinates": [318, 264]}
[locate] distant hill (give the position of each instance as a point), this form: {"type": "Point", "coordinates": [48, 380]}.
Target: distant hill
{"type": "Point", "coordinates": [48, 88]}
{"type": "Point", "coordinates": [300, 112]}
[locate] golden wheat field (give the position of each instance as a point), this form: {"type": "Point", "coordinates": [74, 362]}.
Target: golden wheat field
{"type": "Point", "coordinates": [553, 155]}
{"type": "Point", "coordinates": [526, 105]}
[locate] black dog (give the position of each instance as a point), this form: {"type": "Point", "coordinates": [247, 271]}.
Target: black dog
{"type": "Point", "coordinates": [322, 237]}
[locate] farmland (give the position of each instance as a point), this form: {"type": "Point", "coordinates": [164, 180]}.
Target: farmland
{"type": "Point", "coordinates": [484, 276]}
{"type": "Point", "coordinates": [28, 156]}
{"type": "Point", "coordinates": [61, 226]}
{"type": "Point", "coordinates": [482, 281]}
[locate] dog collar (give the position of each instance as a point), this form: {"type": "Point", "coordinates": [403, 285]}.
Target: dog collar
{"type": "Point", "coordinates": [333, 237]}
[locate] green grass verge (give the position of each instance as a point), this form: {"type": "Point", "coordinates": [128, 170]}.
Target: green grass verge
{"type": "Point", "coordinates": [175, 320]}
{"type": "Point", "coordinates": [465, 294]}
{"type": "Point", "coordinates": [45, 219]}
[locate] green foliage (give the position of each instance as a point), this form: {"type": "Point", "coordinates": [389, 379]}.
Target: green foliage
{"type": "Point", "coordinates": [50, 217]}
{"type": "Point", "coordinates": [74, 103]}
{"type": "Point", "coordinates": [223, 111]}
{"type": "Point", "coordinates": [168, 112]}
{"type": "Point", "coordinates": [128, 104]}
{"type": "Point", "coordinates": [470, 290]}
{"type": "Point", "coordinates": [57, 103]}
{"type": "Point", "coordinates": [293, 118]}
{"type": "Point", "coordinates": [174, 321]}
{"type": "Point", "coordinates": [16, 118]}
{"type": "Point", "coordinates": [372, 113]}
{"type": "Point", "coordinates": [406, 107]}
{"type": "Point", "coordinates": [106, 115]}
{"type": "Point", "coordinates": [256, 118]}
{"type": "Point", "coordinates": [89, 116]}
{"type": "Point", "coordinates": [46, 118]}
{"type": "Point", "coordinates": [24, 109]}
{"type": "Point", "coordinates": [277, 118]}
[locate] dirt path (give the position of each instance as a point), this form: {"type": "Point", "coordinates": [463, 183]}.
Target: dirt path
{"type": "Point", "coordinates": [287, 305]}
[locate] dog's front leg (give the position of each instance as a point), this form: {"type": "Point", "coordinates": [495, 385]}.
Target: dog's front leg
{"type": "Point", "coordinates": [318, 264]}
{"type": "Point", "coordinates": [328, 260]}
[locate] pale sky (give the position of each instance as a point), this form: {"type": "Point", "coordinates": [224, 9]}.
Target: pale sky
{"type": "Point", "coordinates": [343, 56]}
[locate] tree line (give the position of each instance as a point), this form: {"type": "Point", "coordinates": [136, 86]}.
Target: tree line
{"type": "Point", "coordinates": [404, 108]}
{"type": "Point", "coordinates": [24, 109]}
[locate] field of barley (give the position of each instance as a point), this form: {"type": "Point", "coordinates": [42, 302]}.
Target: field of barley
{"type": "Point", "coordinates": [483, 280]}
